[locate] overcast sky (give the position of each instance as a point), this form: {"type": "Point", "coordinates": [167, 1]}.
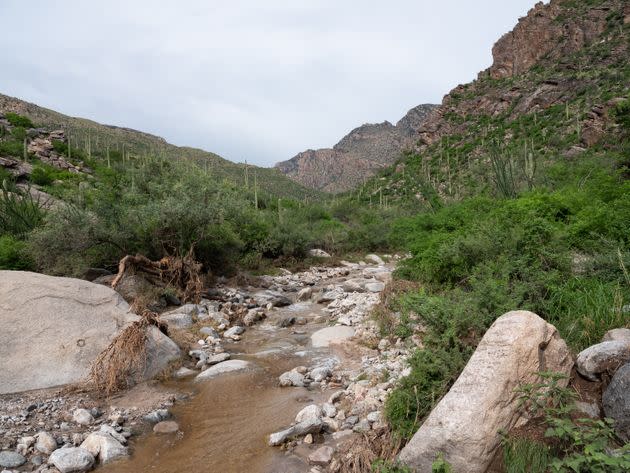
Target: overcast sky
{"type": "Point", "coordinates": [256, 80]}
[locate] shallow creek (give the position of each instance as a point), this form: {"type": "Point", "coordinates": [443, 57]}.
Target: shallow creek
{"type": "Point", "coordinates": [226, 423]}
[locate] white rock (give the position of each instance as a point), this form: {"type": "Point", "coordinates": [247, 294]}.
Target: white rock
{"type": "Point", "coordinates": [303, 428]}
{"type": "Point", "coordinates": [69, 460]}
{"type": "Point", "coordinates": [329, 410]}
{"type": "Point", "coordinates": [325, 336]}
{"type": "Point", "coordinates": [316, 252]}
{"type": "Point", "coordinates": [310, 413]}
{"type": "Point", "coordinates": [292, 378]}
{"type": "Point", "coordinates": [82, 417]}
{"type": "Point", "coordinates": [483, 400]}
{"type": "Point", "coordinates": [320, 373]}
{"type": "Point", "coordinates": [104, 447]}
{"type": "Point", "coordinates": [602, 357]}
{"type": "Point", "coordinates": [46, 443]}
{"type": "Point", "coordinates": [234, 331]}
{"type": "Point", "coordinates": [222, 368]}
{"type": "Point", "coordinates": [375, 286]}
{"type": "Point", "coordinates": [372, 258]}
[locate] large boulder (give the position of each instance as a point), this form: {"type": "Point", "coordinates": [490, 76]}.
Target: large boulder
{"type": "Point", "coordinates": [52, 329]}
{"type": "Point", "coordinates": [616, 401]}
{"type": "Point", "coordinates": [465, 424]}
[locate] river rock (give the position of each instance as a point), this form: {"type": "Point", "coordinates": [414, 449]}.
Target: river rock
{"type": "Point", "coordinates": [324, 337]}
{"type": "Point", "coordinates": [69, 460]}
{"type": "Point", "coordinates": [234, 331]}
{"type": "Point", "coordinates": [45, 443]}
{"type": "Point", "coordinates": [374, 259]}
{"type": "Point", "coordinates": [617, 334]}
{"type": "Point", "coordinates": [157, 416]}
{"type": "Point", "coordinates": [302, 428]}
{"type": "Point", "coordinates": [222, 368]}
{"type": "Point", "coordinates": [70, 321]}
{"type": "Point", "coordinates": [616, 401]}
{"type": "Point", "coordinates": [465, 424]}
{"type": "Point", "coordinates": [109, 430]}
{"type": "Point", "coordinates": [104, 447]}
{"type": "Point", "coordinates": [321, 456]}
{"type": "Point", "coordinates": [310, 413]}
{"type": "Point", "coordinates": [605, 356]}
{"type": "Point", "coordinates": [375, 286]}
{"type": "Point", "coordinates": [305, 294]}
{"type": "Point", "coordinates": [166, 427]}
{"type": "Point", "coordinates": [9, 459]}
{"type": "Point", "coordinates": [275, 298]}
{"type": "Point", "coordinates": [218, 358]}
{"type": "Point", "coordinates": [320, 373]}
{"type": "Point", "coordinates": [177, 320]}
{"type": "Point", "coordinates": [292, 378]}
{"type": "Point", "coordinates": [82, 417]}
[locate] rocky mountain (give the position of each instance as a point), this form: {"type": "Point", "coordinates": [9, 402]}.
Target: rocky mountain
{"type": "Point", "coordinates": [549, 96]}
{"type": "Point", "coordinates": [87, 134]}
{"type": "Point", "coordinates": [360, 154]}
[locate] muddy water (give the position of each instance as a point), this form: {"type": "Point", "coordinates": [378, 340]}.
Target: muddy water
{"type": "Point", "coordinates": [226, 423]}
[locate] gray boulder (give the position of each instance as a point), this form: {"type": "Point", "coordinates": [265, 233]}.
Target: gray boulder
{"type": "Point", "coordinates": [69, 460]}
{"type": "Point", "coordinates": [177, 320]}
{"type": "Point", "coordinates": [292, 378]}
{"type": "Point", "coordinates": [312, 426]}
{"type": "Point", "coordinates": [70, 321]}
{"type": "Point", "coordinates": [9, 459]}
{"type": "Point", "coordinates": [605, 356]}
{"type": "Point", "coordinates": [617, 334]}
{"type": "Point", "coordinates": [465, 424]}
{"type": "Point", "coordinates": [616, 401]}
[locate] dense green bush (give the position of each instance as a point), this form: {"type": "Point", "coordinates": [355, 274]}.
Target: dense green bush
{"type": "Point", "coordinates": [12, 148]}
{"type": "Point", "coordinates": [13, 254]}
{"type": "Point", "coordinates": [18, 120]}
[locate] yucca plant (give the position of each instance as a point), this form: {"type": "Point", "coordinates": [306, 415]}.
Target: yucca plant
{"type": "Point", "coordinates": [20, 212]}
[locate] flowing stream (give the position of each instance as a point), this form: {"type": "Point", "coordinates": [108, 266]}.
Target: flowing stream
{"type": "Point", "coordinates": [226, 423]}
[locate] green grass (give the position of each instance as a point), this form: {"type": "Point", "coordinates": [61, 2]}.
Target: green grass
{"type": "Point", "coordinates": [521, 455]}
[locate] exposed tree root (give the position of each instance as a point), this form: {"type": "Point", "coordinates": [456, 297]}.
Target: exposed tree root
{"type": "Point", "coordinates": [181, 273]}
{"type": "Point", "coordinates": [124, 359]}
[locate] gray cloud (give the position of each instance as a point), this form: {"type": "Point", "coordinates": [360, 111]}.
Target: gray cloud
{"type": "Point", "coordinates": [247, 79]}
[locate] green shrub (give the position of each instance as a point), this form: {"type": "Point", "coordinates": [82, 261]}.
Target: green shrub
{"type": "Point", "coordinates": [41, 177]}
{"type": "Point", "coordinates": [19, 133]}
{"type": "Point", "coordinates": [12, 148]}
{"type": "Point", "coordinates": [18, 120]}
{"type": "Point", "coordinates": [13, 254]}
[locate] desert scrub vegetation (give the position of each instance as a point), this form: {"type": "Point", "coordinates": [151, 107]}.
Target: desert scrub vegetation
{"type": "Point", "coordinates": [562, 442]}
{"type": "Point", "coordinates": [562, 254]}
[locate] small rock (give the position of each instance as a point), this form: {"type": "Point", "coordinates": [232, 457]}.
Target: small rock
{"type": "Point", "coordinates": [305, 294]}
{"type": "Point", "coordinates": [218, 358]}
{"type": "Point", "coordinates": [321, 456]}
{"type": "Point", "coordinates": [588, 409]}
{"type": "Point", "coordinates": [291, 378]}
{"type": "Point", "coordinates": [68, 460]}
{"type": "Point", "coordinates": [9, 459]}
{"type": "Point", "coordinates": [234, 331]}
{"type": "Point", "coordinates": [308, 439]}
{"type": "Point", "coordinates": [375, 286]}
{"type": "Point", "coordinates": [209, 331]}
{"type": "Point", "coordinates": [320, 373]}
{"type": "Point", "coordinates": [105, 447]}
{"type": "Point", "coordinates": [166, 427]}
{"type": "Point", "coordinates": [372, 258]}
{"type": "Point", "coordinates": [605, 356]}
{"type": "Point", "coordinates": [616, 334]}
{"type": "Point", "coordinates": [184, 372]}
{"type": "Point", "coordinates": [82, 417]}
{"type": "Point", "coordinates": [109, 430]}
{"type": "Point", "coordinates": [157, 416]}
{"type": "Point", "coordinates": [46, 443]}
{"type": "Point", "coordinates": [310, 413]}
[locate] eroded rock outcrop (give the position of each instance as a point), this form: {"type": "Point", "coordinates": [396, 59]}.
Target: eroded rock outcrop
{"type": "Point", "coordinates": [465, 425]}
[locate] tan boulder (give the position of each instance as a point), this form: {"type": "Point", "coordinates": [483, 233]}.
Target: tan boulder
{"type": "Point", "coordinates": [465, 424]}
{"type": "Point", "coordinates": [51, 329]}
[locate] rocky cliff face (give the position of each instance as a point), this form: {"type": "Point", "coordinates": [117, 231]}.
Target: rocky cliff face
{"type": "Point", "coordinates": [360, 154]}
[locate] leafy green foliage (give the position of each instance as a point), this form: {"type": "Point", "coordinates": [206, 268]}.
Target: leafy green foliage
{"type": "Point", "coordinates": [580, 445]}
{"type": "Point", "coordinates": [13, 254]}
{"type": "Point", "coordinates": [19, 120]}
{"type": "Point", "coordinates": [441, 466]}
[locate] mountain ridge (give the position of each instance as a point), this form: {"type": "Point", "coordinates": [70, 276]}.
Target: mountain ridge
{"type": "Point", "coordinates": [357, 156]}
